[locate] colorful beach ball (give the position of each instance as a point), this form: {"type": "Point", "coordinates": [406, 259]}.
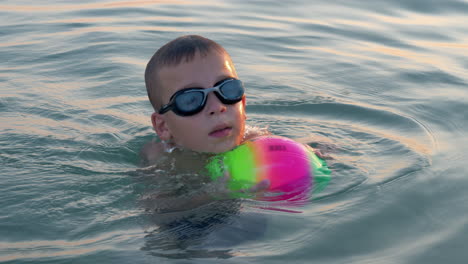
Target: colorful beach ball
{"type": "Point", "coordinates": [288, 167]}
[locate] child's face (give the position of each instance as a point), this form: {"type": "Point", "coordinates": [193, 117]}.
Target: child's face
{"type": "Point", "coordinates": [218, 127]}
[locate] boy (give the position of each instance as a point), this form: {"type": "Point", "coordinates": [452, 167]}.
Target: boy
{"type": "Point", "coordinates": [199, 105]}
{"type": "Point", "coordinates": [198, 100]}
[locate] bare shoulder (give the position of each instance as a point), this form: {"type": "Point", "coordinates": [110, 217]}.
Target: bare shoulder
{"type": "Point", "coordinates": [151, 153]}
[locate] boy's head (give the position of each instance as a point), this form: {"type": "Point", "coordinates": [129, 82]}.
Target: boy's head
{"type": "Point", "coordinates": [196, 62]}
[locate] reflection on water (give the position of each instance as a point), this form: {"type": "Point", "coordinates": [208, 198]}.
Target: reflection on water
{"type": "Point", "coordinates": [182, 223]}
{"type": "Point", "coordinates": [209, 231]}
{"type": "Point", "coordinates": [63, 248]}
{"type": "Point", "coordinates": [90, 6]}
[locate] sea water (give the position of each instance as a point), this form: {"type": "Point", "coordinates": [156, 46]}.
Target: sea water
{"type": "Point", "coordinates": [379, 87]}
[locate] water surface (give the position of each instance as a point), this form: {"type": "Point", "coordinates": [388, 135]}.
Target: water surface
{"type": "Point", "coordinates": [380, 87]}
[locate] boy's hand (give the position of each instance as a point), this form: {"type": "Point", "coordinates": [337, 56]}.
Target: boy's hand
{"type": "Point", "coordinates": [218, 189]}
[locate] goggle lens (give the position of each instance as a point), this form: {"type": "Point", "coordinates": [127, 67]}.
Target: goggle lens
{"type": "Point", "coordinates": [232, 91]}
{"type": "Point", "coordinates": [189, 101]}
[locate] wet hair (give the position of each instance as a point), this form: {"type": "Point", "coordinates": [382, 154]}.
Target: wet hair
{"type": "Point", "coordinates": [181, 49]}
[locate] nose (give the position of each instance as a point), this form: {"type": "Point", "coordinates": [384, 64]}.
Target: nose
{"type": "Point", "coordinates": [214, 105]}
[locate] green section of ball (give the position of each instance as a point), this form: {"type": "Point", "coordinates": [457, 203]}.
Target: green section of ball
{"type": "Point", "coordinates": [239, 163]}
{"type": "Point", "coordinates": [321, 172]}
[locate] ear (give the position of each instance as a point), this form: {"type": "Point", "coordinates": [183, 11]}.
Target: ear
{"type": "Point", "coordinates": [160, 126]}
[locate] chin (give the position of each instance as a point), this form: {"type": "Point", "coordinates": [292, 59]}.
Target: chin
{"type": "Point", "coordinates": [224, 147]}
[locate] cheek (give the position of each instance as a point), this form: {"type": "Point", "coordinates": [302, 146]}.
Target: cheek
{"type": "Point", "coordinates": [240, 117]}
{"type": "Point", "coordinates": [184, 130]}
{"type": "Point", "coordinates": [240, 111]}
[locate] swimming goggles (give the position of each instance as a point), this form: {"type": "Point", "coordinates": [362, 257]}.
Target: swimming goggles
{"type": "Point", "coordinates": [189, 101]}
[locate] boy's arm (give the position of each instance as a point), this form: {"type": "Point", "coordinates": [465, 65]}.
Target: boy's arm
{"type": "Point", "coordinates": [210, 192]}
{"type": "Point", "coordinates": [167, 208]}
{"type": "Point", "coordinates": [172, 202]}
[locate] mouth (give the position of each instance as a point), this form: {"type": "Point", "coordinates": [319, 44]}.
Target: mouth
{"type": "Point", "coordinates": [221, 131]}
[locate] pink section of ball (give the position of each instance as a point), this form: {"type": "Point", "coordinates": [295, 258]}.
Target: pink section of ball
{"type": "Point", "coordinates": [284, 162]}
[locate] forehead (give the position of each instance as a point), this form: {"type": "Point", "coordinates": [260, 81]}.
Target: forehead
{"type": "Point", "coordinates": [203, 70]}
